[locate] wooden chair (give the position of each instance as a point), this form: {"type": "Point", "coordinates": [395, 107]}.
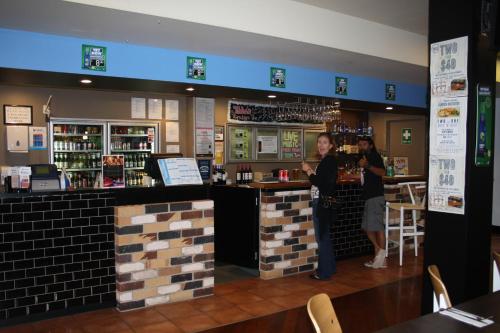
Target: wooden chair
{"type": "Point", "coordinates": [496, 271]}
{"type": "Point", "coordinates": [323, 315]}
{"type": "Point", "coordinates": [406, 230]}
{"type": "Point", "coordinates": [441, 298]}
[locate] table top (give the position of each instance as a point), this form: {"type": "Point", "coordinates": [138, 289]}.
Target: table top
{"type": "Point", "coordinates": [485, 306]}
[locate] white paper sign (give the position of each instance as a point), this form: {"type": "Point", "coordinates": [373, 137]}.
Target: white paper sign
{"type": "Point", "coordinates": [171, 109]}
{"type": "Point", "coordinates": [448, 68]}
{"type": "Point", "coordinates": [155, 108]}
{"type": "Point", "coordinates": [172, 131]}
{"type": "Point", "coordinates": [447, 183]}
{"type": "Point", "coordinates": [204, 126]}
{"type": "Point", "coordinates": [267, 144]}
{"type": "Point", "coordinates": [448, 125]}
{"type": "Point", "coordinates": [173, 149]}
{"type": "Point", "coordinates": [180, 171]}
{"type": "Point", "coordinates": [37, 138]}
{"type": "Point", "coordinates": [138, 108]}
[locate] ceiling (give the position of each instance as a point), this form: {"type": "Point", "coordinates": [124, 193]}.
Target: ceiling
{"type": "Point", "coordinates": [409, 15]}
{"type": "Point", "coordinates": [84, 21]}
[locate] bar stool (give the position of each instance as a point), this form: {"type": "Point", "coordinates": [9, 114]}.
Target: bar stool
{"type": "Point", "coordinates": [496, 271]}
{"type": "Point", "coordinates": [322, 314]}
{"type": "Point", "coordinates": [405, 230]}
{"type": "Point", "coordinates": [441, 298]}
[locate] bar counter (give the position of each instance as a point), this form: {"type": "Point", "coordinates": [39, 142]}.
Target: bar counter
{"type": "Point", "coordinates": [73, 251]}
{"type": "Point", "coordinates": [277, 219]}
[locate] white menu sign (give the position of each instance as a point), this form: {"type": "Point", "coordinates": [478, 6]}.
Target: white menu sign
{"type": "Point", "coordinates": [204, 126]}
{"type": "Point", "coordinates": [180, 171]}
{"type": "Point", "coordinates": [448, 125]}
{"type": "Point", "coordinates": [448, 68]}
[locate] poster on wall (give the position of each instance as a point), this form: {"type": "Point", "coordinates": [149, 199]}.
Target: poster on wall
{"type": "Point", "coordinates": [448, 126]}
{"type": "Point", "coordinates": [267, 144]}
{"type": "Point", "coordinates": [17, 114]}
{"type": "Point", "coordinates": [291, 144]}
{"type": "Point", "coordinates": [37, 138]}
{"type": "Point", "coordinates": [137, 108]}
{"type": "Point", "coordinates": [484, 126]}
{"type": "Point", "coordinates": [390, 92]}
{"type": "Point", "coordinates": [204, 126]}
{"type": "Point", "coordinates": [113, 171]}
{"type": "Point", "coordinates": [196, 68]}
{"type": "Point", "coordinates": [448, 67]}
{"type": "Point", "coordinates": [240, 141]}
{"type": "Point", "coordinates": [94, 58]}
{"type": "Point", "coordinates": [278, 77]}
{"type": "Point", "coordinates": [155, 108]}
{"type": "Point", "coordinates": [447, 183]}
{"type": "Point", "coordinates": [341, 85]}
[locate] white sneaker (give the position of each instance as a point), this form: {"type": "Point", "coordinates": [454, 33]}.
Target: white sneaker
{"type": "Point", "coordinates": [369, 264]}
{"type": "Point", "coordinates": [380, 260]}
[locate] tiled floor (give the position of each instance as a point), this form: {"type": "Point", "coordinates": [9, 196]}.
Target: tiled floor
{"type": "Point", "coordinates": [233, 302]}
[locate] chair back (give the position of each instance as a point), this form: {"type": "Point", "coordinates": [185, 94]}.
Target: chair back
{"type": "Point", "coordinates": [496, 257]}
{"type": "Point", "coordinates": [414, 189]}
{"type": "Point", "coordinates": [437, 283]}
{"type": "Point", "coordinates": [322, 314]}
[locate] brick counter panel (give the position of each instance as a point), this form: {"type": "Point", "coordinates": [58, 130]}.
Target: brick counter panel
{"type": "Point", "coordinates": [287, 244]}
{"type": "Point", "coordinates": [164, 253]}
{"type": "Point", "coordinates": [56, 253]}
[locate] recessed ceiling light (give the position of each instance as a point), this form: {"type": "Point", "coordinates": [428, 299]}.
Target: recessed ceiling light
{"type": "Point", "coordinates": [190, 89]}
{"type": "Point", "coordinates": [389, 108]}
{"type": "Point", "coordinates": [271, 96]}
{"type": "Point", "coordinates": [85, 81]}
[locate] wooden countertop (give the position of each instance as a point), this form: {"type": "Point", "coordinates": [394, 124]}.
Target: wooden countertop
{"type": "Point", "coordinates": [350, 180]}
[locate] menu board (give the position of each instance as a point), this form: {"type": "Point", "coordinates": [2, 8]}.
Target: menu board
{"type": "Point", "coordinates": [291, 144]}
{"type": "Point", "coordinates": [267, 143]}
{"type": "Point", "coordinates": [240, 143]}
{"type": "Point", "coordinates": [448, 125]}
{"type": "Point", "coordinates": [180, 171]}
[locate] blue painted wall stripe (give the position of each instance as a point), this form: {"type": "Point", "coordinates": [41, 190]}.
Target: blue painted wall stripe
{"type": "Point", "coordinates": [45, 52]}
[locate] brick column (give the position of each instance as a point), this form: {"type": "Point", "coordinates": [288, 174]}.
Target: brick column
{"type": "Point", "coordinates": [164, 253]}
{"type": "Point", "coordinates": [287, 243]}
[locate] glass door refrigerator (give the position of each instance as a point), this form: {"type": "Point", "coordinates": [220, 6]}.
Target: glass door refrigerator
{"type": "Point", "coordinates": [136, 141]}
{"type": "Point", "coordinates": [77, 146]}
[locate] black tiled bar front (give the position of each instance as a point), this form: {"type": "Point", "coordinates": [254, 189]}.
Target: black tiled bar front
{"type": "Point", "coordinates": [57, 253]}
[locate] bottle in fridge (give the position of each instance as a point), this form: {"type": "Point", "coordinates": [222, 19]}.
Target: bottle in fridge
{"type": "Point", "coordinates": [77, 147]}
{"type": "Point", "coordinates": [136, 141]}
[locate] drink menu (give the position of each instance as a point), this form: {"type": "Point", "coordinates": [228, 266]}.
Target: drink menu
{"type": "Point", "coordinates": [180, 171]}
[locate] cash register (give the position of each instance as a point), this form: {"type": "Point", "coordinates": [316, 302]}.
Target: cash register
{"type": "Point", "coordinates": [44, 177]}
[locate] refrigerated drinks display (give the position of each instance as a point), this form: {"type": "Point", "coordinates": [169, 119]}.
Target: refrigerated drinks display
{"type": "Point", "coordinates": [78, 147]}
{"type": "Point", "coordinates": [136, 142]}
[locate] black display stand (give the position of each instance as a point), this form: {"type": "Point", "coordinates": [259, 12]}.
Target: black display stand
{"type": "Point", "coordinates": [460, 245]}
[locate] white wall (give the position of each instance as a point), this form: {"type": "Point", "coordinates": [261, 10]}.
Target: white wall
{"type": "Point", "coordinates": [496, 172]}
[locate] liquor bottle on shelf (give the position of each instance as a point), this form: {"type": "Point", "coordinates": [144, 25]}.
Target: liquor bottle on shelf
{"type": "Point", "coordinates": [250, 173]}
{"type": "Point", "coordinates": [238, 174]}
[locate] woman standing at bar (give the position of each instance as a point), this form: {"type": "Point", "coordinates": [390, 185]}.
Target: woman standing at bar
{"type": "Point", "coordinates": [325, 179]}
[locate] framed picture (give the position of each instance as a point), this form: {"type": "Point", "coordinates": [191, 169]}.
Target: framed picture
{"type": "Point", "coordinates": [17, 115]}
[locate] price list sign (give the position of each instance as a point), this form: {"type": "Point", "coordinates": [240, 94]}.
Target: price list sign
{"type": "Point", "coordinates": [448, 125]}
{"type": "Point", "coordinates": [94, 58]}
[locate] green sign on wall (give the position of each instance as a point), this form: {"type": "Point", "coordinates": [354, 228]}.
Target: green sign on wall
{"type": "Point", "coordinates": [483, 126]}
{"type": "Point", "coordinates": [340, 85]}
{"type": "Point", "coordinates": [94, 58]}
{"type": "Point", "coordinates": [406, 138]}
{"type": "Point", "coordinates": [196, 68]}
{"type": "Point", "coordinates": [278, 77]}
{"type": "Point", "coordinates": [390, 92]}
